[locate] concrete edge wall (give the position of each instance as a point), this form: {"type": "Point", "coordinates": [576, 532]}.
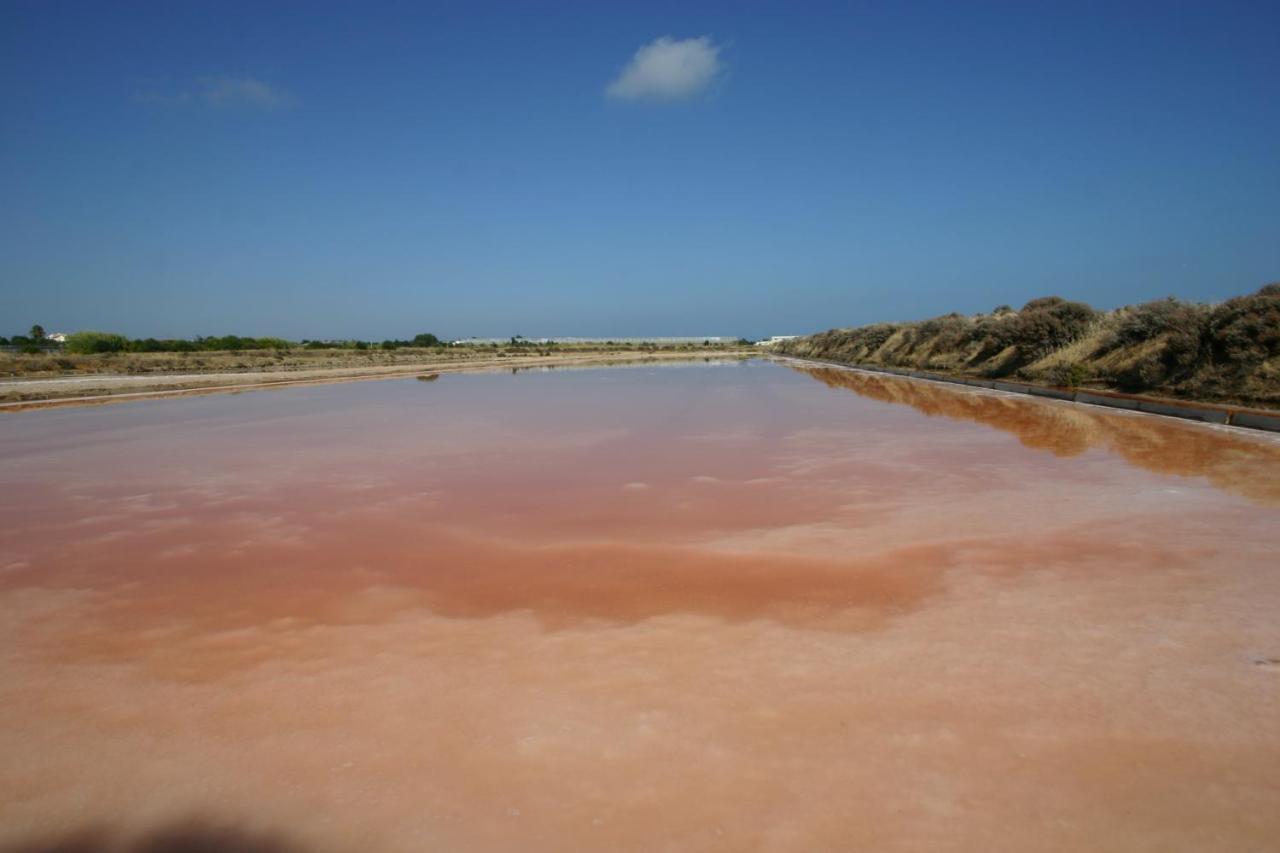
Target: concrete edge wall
{"type": "Point", "coordinates": [1256, 420]}
{"type": "Point", "coordinates": [1169, 408]}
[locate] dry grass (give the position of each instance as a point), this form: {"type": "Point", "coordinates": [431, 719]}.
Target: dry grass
{"type": "Point", "coordinates": [49, 365]}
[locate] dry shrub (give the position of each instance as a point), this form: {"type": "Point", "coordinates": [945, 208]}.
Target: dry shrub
{"type": "Point", "coordinates": [1044, 325]}
{"type": "Point", "coordinates": [1245, 331]}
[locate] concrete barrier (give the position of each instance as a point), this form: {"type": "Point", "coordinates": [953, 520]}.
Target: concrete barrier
{"type": "Point", "coordinates": [1256, 420]}
{"type": "Point", "coordinates": [1012, 387]}
{"type": "Point", "coordinates": [1103, 400]}
{"type": "Point", "coordinates": [1054, 393]}
{"type": "Point", "coordinates": [1195, 413]}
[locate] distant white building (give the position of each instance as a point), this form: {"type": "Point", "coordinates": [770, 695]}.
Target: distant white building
{"type": "Point", "coordinates": [688, 339]}
{"type": "Point", "coordinates": [57, 337]}
{"type": "Point", "coordinates": [775, 339]}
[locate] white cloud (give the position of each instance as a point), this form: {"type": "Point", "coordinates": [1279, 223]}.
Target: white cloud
{"type": "Point", "coordinates": [666, 69]}
{"type": "Point", "coordinates": [221, 91]}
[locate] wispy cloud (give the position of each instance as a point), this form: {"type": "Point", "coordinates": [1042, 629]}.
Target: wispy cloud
{"type": "Point", "coordinates": [163, 99]}
{"type": "Point", "coordinates": [242, 90]}
{"type": "Point", "coordinates": [667, 69]}
{"type": "Point", "coordinates": [221, 91]}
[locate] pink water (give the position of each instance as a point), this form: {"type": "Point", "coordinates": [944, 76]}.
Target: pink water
{"type": "Point", "coordinates": [685, 608]}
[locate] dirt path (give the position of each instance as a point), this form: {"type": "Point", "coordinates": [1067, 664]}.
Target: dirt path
{"type": "Point", "coordinates": [19, 395]}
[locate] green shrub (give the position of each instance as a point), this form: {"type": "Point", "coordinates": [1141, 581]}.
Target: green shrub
{"type": "Point", "coordinates": [953, 332]}
{"type": "Point", "coordinates": [1162, 317]}
{"type": "Point", "coordinates": [1246, 330]}
{"type": "Point", "coordinates": [1043, 303]}
{"type": "Point", "coordinates": [1143, 374]}
{"type": "Point", "coordinates": [1069, 374]}
{"type": "Point", "coordinates": [1047, 324]}
{"type": "Point", "coordinates": [875, 336]}
{"type": "Point", "coordinates": [96, 342]}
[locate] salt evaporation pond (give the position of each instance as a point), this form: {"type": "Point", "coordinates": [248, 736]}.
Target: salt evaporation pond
{"type": "Point", "coordinates": [711, 607]}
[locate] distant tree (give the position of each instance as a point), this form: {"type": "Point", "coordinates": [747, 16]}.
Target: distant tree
{"type": "Point", "coordinates": [37, 333]}
{"type": "Point", "coordinates": [426, 339]}
{"type": "Point", "coordinates": [4, 342]}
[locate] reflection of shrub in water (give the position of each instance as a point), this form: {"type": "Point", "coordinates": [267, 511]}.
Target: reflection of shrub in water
{"type": "Point", "coordinates": [1235, 465]}
{"type": "Point", "coordinates": [193, 836]}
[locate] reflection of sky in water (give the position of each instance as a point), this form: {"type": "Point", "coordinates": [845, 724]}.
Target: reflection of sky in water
{"type": "Point", "coordinates": [700, 607]}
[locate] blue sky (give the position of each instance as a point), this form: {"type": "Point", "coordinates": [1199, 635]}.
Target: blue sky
{"type": "Point", "coordinates": [315, 170]}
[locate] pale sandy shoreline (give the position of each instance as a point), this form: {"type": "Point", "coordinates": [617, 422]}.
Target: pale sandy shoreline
{"type": "Point", "coordinates": [30, 394]}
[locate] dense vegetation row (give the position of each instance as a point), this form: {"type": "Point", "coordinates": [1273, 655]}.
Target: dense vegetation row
{"type": "Point", "coordinates": [85, 343]}
{"type": "Point", "coordinates": [1229, 351]}
{"type": "Point", "coordinates": [88, 343]}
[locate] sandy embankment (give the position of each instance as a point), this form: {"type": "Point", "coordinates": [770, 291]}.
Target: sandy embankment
{"type": "Point", "coordinates": [20, 394]}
